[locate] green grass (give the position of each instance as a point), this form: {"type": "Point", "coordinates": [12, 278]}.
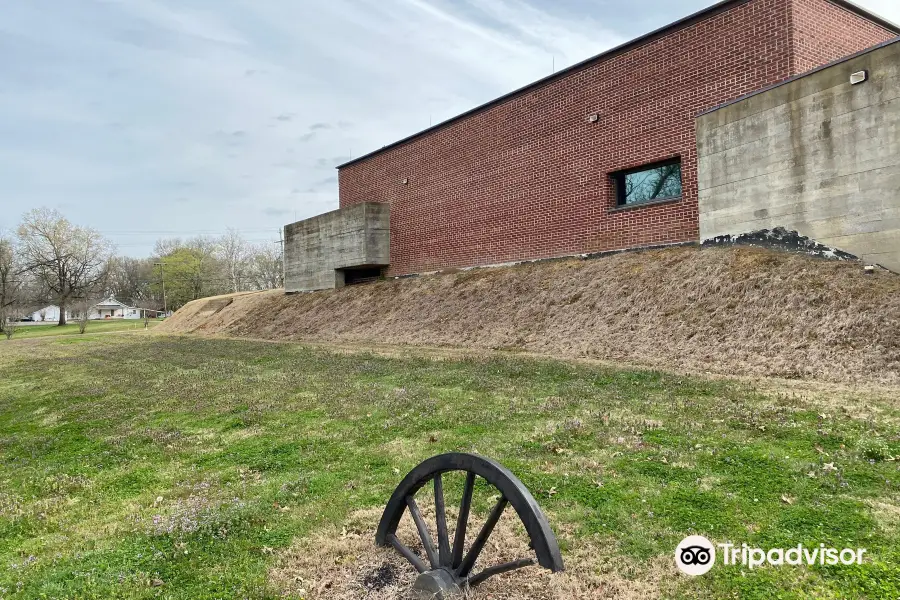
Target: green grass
{"type": "Point", "coordinates": [151, 466]}
{"type": "Point", "coordinates": [71, 328]}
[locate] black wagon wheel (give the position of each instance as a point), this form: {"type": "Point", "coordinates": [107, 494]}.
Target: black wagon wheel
{"type": "Point", "coordinates": [447, 568]}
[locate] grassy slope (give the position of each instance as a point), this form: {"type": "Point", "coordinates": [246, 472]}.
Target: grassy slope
{"type": "Point", "coordinates": [180, 472]}
{"type": "Point", "coordinates": [71, 328]}
{"type": "Point", "coordinates": [727, 310]}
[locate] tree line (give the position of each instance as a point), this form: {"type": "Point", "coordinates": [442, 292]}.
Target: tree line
{"type": "Point", "coordinates": [50, 260]}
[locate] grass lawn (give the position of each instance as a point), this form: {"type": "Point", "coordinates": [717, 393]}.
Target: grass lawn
{"type": "Point", "coordinates": [152, 466]}
{"type": "Point", "coordinates": [71, 328]}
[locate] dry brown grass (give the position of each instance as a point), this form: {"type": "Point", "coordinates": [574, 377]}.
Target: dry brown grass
{"type": "Point", "coordinates": [886, 514]}
{"type": "Point", "coordinates": [346, 565]}
{"type": "Point", "coordinates": [733, 311]}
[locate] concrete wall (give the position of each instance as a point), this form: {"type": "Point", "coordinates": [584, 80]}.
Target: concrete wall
{"type": "Point", "coordinates": [316, 249]}
{"type": "Point", "coordinates": [815, 155]}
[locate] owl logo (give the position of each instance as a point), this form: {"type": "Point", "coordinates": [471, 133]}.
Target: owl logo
{"type": "Point", "coordinates": [695, 555]}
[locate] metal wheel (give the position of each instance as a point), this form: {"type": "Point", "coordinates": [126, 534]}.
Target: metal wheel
{"type": "Point", "coordinates": [445, 568]}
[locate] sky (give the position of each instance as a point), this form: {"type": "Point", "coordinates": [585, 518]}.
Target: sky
{"type": "Point", "coordinates": [160, 118]}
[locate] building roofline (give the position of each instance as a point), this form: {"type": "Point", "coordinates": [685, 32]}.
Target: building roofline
{"type": "Point", "coordinates": [110, 301]}
{"type": "Point", "coordinates": [867, 14]}
{"type": "Point", "coordinates": [696, 17]}
{"type": "Point", "coordinates": [801, 75]}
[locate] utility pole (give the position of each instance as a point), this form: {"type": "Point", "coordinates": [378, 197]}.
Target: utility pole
{"type": "Point", "coordinates": [280, 243]}
{"type": "Point", "coordinates": [162, 278]}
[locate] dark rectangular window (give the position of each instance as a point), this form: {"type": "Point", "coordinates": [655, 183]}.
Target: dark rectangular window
{"type": "Point", "coordinates": [659, 181]}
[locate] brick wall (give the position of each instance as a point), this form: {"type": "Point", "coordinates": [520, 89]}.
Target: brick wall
{"type": "Point", "coordinates": [822, 32]}
{"type": "Point", "coordinates": [529, 177]}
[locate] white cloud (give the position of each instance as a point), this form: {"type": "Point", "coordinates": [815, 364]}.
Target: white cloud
{"type": "Point", "coordinates": [234, 113]}
{"type": "Point", "coordinates": [198, 115]}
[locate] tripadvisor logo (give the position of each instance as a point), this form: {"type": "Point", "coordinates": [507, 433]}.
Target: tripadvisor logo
{"type": "Point", "coordinates": [696, 555]}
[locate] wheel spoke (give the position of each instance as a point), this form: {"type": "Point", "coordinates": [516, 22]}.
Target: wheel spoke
{"type": "Point", "coordinates": [504, 568]}
{"type": "Point", "coordinates": [459, 539]}
{"type": "Point", "coordinates": [469, 561]}
{"type": "Point", "coordinates": [408, 554]}
{"type": "Point", "coordinates": [440, 510]}
{"type": "Point", "coordinates": [423, 531]}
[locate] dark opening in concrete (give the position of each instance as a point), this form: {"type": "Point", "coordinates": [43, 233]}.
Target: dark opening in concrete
{"type": "Point", "coordinates": [358, 275]}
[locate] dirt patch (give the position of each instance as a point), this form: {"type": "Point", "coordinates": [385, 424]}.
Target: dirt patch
{"type": "Point", "coordinates": [215, 305]}
{"type": "Point", "coordinates": [346, 565]}
{"type": "Point", "coordinates": [729, 310]}
{"type": "Point", "coordinates": [198, 317]}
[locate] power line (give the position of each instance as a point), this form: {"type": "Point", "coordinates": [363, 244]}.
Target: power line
{"type": "Point", "coordinates": [253, 241]}
{"type": "Point", "coordinates": [177, 232]}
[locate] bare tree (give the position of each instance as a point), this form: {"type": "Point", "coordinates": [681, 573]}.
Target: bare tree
{"type": "Point", "coordinates": [167, 246]}
{"type": "Point", "coordinates": [265, 267]}
{"type": "Point", "coordinates": [234, 254]}
{"type": "Point", "coordinates": [10, 329]}
{"type": "Point", "coordinates": [130, 279]}
{"type": "Point", "coordinates": [11, 279]}
{"type": "Point", "coordinates": [71, 261]}
{"type": "Point", "coordinates": [82, 313]}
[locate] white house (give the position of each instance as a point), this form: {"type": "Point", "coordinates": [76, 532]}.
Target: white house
{"type": "Point", "coordinates": [113, 309]}
{"type": "Point", "coordinates": [106, 309]}
{"type": "Point", "coordinates": [49, 314]}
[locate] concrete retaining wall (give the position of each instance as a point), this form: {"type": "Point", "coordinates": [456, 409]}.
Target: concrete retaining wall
{"type": "Point", "coordinates": [816, 155]}
{"type": "Point", "coordinates": [317, 249]}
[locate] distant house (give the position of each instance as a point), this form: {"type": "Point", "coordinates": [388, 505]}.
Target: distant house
{"type": "Point", "coordinates": [49, 314]}
{"type": "Point", "coordinates": [109, 308]}
{"type": "Point", "coordinates": [113, 309]}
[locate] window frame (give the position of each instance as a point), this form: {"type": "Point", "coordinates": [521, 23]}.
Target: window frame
{"type": "Point", "coordinates": [618, 182]}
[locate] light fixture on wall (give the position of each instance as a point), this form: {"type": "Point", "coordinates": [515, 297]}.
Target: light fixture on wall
{"type": "Point", "coordinates": [858, 77]}
{"type": "Point", "coordinates": [405, 181]}
{"type": "Point", "coordinates": [593, 117]}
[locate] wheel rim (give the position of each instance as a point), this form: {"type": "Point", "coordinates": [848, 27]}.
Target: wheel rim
{"type": "Point", "coordinates": [453, 559]}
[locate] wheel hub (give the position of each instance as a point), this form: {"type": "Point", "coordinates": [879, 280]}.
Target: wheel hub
{"type": "Point", "coordinates": [438, 584]}
{"type": "Point", "coordinates": [446, 569]}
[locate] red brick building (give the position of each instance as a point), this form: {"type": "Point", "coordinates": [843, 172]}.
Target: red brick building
{"type": "Point", "coordinates": [600, 156]}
